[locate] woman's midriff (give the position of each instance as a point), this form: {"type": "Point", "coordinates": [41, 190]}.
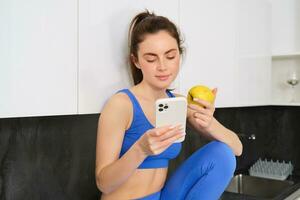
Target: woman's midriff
{"type": "Point", "coordinates": [142, 183]}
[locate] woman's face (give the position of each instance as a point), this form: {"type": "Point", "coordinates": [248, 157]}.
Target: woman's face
{"type": "Point", "coordinates": [158, 59]}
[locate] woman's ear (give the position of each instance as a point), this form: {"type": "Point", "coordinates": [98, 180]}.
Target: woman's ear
{"type": "Point", "coordinates": [135, 61]}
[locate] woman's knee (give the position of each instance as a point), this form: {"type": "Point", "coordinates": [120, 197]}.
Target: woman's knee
{"type": "Point", "coordinates": [222, 155]}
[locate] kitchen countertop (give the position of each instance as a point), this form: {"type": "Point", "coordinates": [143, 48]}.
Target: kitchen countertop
{"type": "Point", "coordinates": [282, 196]}
{"type": "Point", "coordinates": [294, 195]}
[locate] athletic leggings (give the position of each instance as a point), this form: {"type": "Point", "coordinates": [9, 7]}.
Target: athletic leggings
{"type": "Point", "coordinates": [204, 175]}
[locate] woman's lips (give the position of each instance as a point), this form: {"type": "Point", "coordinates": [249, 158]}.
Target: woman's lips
{"type": "Point", "coordinates": [163, 77]}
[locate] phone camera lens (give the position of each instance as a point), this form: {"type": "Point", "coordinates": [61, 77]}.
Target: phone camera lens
{"type": "Point", "coordinates": [160, 109]}
{"type": "Point", "coordinates": [160, 105]}
{"type": "Point", "coordinates": [166, 107]}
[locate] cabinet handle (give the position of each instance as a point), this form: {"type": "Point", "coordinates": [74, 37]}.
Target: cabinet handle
{"type": "Point", "coordinates": [249, 137]}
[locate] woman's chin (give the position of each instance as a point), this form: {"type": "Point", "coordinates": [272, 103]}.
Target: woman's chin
{"type": "Point", "coordinates": [164, 85]}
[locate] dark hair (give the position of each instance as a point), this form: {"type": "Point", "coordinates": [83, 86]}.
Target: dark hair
{"type": "Point", "coordinates": [147, 23]}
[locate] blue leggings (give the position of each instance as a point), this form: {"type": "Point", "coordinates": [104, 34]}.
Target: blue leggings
{"type": "Point", "coordinates": [204, 175]}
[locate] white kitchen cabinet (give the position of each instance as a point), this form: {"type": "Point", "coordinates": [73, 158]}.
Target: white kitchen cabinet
{"type": "Point", "coordinates": [285, 27]}
{"type": "Point", "coordinates": [38, 58]}
{"type": "Point", "coordinates": [227, 47]}
{"type": "Point", "coordinates": [254, 52]}
{"type": "Point", "coordinates": [69, 57]}
{"type": "Point", "coordinates": [285, 52]}
{"type": "Point", "coordinates": [103, 49]}
{"type": "Point", "coordinates": [209, 32]}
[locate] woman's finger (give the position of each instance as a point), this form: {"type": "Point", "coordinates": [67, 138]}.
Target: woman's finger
{"type": "Point", "coordinates": [206, 112]}
{"type": "Point", "coordinates": [171, 133]}
{"type": "Point", "coordinates": [198, 108]}
{"type": "Point", "coordinates": [168, 142]}
{"type": "Point", "coordinates": [201, 116]}
{"type": "Point", "coordinates": [158, 145]}
{"type": "Point", "coordinates": [201, 122]}
{"type": "Point", "coordinates": [194, 107]}
{"type": "Point", "coordinates": [204, 103]}
{"type": "Point", "coordinates": [161, 130]}
{"type": "Point", "coordinates": [214, 91]}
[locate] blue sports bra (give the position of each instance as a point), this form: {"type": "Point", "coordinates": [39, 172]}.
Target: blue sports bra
{"type": "Point", "coordinates": [139, 125]}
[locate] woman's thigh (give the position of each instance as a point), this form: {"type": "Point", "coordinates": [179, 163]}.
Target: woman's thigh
{"type": "Point", "coordinates": [154, 196]}
{"type": "Point", "coordinates": [204, 175]}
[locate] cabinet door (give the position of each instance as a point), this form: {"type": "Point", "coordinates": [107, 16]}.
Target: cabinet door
{"type": "Point", "coordinates": [254, 52]}
{"type": "Point", "coordinates": [103, 47]}
{"type": "Point", "coordinates": [209, 30]}
{"type": "Point", "coordinates": [38, 58]}
{"type": "Point", "coordinates": [285, 26]}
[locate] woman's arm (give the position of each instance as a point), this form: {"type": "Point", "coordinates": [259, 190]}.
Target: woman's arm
{"type": "Point", "coordinates": [202, 119]}
{"type": "Point", "coordinates": [111, 172]}
{"type": "Point", "coordinates": [218, 132]}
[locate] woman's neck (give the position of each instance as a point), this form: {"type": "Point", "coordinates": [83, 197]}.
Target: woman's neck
{"type": "Point", "coordinates": [149, 92]}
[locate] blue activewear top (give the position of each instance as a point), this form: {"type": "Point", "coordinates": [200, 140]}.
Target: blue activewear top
{"type": "Point", "coordinates": [139, 125]}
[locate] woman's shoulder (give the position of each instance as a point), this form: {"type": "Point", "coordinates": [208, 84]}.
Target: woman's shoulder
{"type": "Point", "coordinates": [117, 109]}
{"type": "Point", "coordinates": [118, 102]}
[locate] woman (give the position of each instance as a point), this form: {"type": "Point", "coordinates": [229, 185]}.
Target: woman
{"type": "Point", "coordinates": [132, 156]}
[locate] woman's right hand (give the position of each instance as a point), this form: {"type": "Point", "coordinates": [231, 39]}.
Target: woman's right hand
{"type": "Point", "coordinates": [156, 140]}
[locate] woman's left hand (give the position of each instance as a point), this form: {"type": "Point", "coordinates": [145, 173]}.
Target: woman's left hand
{"type": "Point", "coordinates": [202, 117]}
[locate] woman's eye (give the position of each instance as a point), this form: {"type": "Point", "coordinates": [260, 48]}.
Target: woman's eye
{"type": "Point", "coordinates": [171, 57]}
{"type": "Point", "coordinates": [150, 61]}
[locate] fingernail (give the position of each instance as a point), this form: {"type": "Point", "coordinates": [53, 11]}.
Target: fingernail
{"type": "Point", "coordinates": [181, 128]}
{"type": "Point", "coordinates": [172, 127]}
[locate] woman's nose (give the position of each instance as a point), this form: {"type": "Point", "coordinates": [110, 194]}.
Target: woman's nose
{"type": "Point", "coordinates": [161, 66]}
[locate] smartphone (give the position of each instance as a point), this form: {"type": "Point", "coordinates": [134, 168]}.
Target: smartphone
{"type": "Point", "coordinates": [171, 111]}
